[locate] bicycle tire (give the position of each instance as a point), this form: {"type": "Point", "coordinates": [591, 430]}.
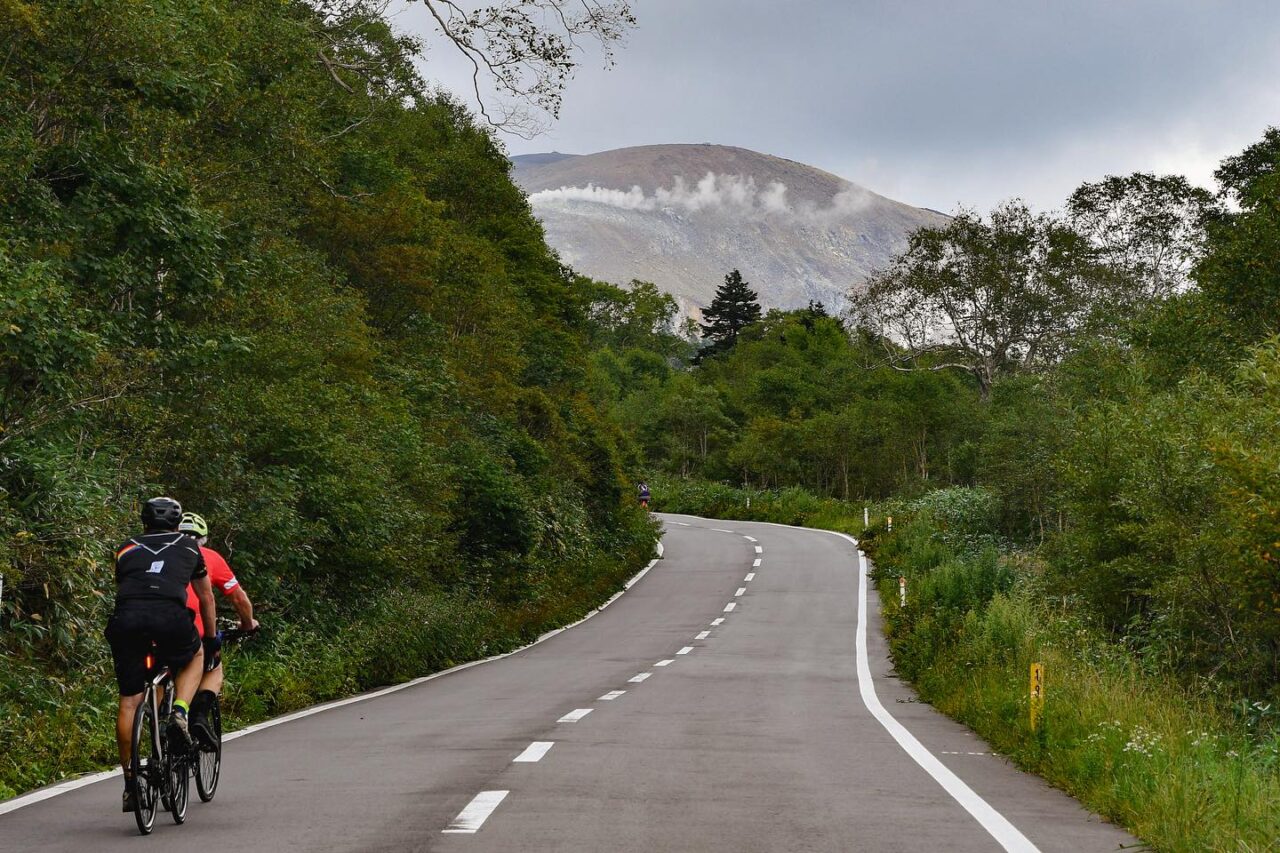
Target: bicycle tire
{"type": "Point", "coordinates": [179, 768]}
{"type": "Point", "coordinates": [209, 763]}
{"type": "Point", "coordinates": [143, 765]}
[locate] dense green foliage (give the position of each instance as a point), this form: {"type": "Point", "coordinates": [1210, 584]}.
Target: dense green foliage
{"type": "Point", "coordinates": [1180, 768]}
{"type": "Point", "coordinates": [248, 260]}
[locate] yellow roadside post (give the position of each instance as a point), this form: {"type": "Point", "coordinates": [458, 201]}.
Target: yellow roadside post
{"type": "Point", "coordinates": [1037, 694]}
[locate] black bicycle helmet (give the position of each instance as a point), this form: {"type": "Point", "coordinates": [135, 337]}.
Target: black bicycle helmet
{"type": "Point", "coordinates": [161, 514]}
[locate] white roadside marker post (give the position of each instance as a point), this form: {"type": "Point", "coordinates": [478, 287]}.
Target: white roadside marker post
{"type": "Point", "coordinates": [866, 518]}
{"type": "Point", "coordinates": [902, 591]}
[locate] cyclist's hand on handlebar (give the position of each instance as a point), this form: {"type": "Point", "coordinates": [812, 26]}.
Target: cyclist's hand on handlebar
{"type": "Point", "coordinates": [251, 628]}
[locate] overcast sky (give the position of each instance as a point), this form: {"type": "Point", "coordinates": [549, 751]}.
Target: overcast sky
{"type": "Point", "coordinates": [933, 102]}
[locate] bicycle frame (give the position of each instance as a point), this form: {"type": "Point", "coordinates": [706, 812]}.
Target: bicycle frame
{"type": "Point", "coordinates": [159, 698]}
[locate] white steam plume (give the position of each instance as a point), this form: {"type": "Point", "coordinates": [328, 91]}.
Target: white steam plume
{"type": "Point", "coordinates": [735, 194]}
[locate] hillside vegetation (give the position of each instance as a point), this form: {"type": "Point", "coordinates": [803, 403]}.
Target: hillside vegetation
{"type": "Point", "coordinates": [247, 258]}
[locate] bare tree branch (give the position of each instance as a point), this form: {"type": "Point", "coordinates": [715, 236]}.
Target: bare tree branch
{"type": "Point", "coordinates": [528, 50]}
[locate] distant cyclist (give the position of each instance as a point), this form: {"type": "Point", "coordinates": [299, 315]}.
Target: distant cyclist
{"type": "Point", "coordinates": [643, 488]}
{"type": "Point", "coordinates": [222, 579]}
{"type": "Point", "coordinates": [152, 573]}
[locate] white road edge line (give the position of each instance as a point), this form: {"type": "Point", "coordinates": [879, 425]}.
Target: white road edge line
{"type": "Point", "coordinates": [575, 715]}
{"type": "Point", "coordinates": [533, 752]}
{"type": "Point", "coordinates": [749, 578]}
{"type": "Point", "coordinates": [1004, 832]}
{"type": "Point", "coordinates": [702, 635]}
{"type": "Point", "coordinates": [611, 695]}
{"type": "Point", "coordinates": [470, 819]}
{"type": "Point", "coordinates": [728, 608]}
{"type": "Point", "coordinates": [69, 785]}
{"type": "Point", "coordinates": [636, 679]}
{"type": "Point", "coordinates": [665, 662]}
{"type": "Point", "coordinates": [685, 650]}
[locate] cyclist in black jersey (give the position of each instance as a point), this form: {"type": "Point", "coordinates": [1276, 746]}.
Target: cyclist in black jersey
{"type": "Point", "coordinates": [152, 573]}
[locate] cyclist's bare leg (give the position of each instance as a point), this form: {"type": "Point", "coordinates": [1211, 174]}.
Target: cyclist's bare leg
{"type": "Point", "coordinates": [188, 678]}
{"type": "Point", "coordinates": [124, 727]}
{"type": "Point", "coordinates": [212, 681]}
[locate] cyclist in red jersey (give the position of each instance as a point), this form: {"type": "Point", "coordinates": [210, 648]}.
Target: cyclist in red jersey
{"type": "Point", "coordinates": [225, 581]}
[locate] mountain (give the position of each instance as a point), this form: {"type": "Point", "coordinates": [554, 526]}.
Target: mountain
{"type": "Point", "coordinates": [682, 216]}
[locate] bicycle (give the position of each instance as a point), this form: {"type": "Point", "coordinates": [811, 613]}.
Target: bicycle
{"type": "Point", "coordinates": [157, 774]}
{"type": "Point", "coordinates": [208, 759]}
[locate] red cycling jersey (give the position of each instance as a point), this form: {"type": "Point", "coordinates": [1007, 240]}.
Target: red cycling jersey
{"type": "Point", "coordinates": [219, 575]}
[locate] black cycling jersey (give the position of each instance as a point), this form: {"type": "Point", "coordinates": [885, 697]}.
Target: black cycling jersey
{"type": "Point", "coordinates": [157, 567]}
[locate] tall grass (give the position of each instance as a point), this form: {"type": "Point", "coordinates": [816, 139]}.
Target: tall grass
{"type": "Point", "coordinates": [1181, 768]}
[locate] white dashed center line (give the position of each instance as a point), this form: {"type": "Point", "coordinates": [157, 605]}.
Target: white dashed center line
{"type": "Point", "coordinates": [759, 550]}
{"type": "Point", "coordinates": [749, 578]}
{"type": "Point", "coordinates": [666, 662]}
{"type": "Point", "coordinates": [740, 591]}
{"type": "Point", "coordinates": [685, 650]}
{"type": "Point", "coordinates": [533, 752]}
{"type": "Point", "coordinates": [749, 538]}
{"type": "Point", "coordinates": [470, 819]}
{"type": "Point", "coordinates": [576, 714]}
{"type": "Point", "coordinates": [721, 530]}
{"type": "Point", "coordinates": [756, 564]}
{"type": "Point", "coordinates": [728, 608]}
{"type": "Point", "coordinates": [702, 635]}
{"type": "Point", "coordinates": [719, 620]}
{"type": "Point", "coordinates": [636, 679]}
{"type": "Point", "coordinates": [611, 695]}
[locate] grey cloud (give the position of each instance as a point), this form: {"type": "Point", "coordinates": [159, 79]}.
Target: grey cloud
{"type": "Point", "coordinates": [939, 102]}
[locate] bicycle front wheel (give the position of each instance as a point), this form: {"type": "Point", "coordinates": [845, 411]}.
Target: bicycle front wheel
{"type": "Point", "coordinates": [209, 763]}
{"type": "Point", "coordinates": [144, 765]}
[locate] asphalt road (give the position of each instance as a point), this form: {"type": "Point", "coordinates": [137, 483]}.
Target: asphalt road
{"type": "Point", "coordinates": [717, 705]}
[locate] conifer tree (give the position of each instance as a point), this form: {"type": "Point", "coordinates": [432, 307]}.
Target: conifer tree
{"type": "Point", "coordinates": [734, 307]}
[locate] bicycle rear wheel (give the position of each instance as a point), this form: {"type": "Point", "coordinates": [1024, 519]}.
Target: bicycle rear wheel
{"type": "Point", "coordinates": [209, 763]}
{"type": "Point", "coordinates": [145, 766]}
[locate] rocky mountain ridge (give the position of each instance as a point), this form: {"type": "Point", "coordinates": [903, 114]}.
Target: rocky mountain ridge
{"type": "Point", "coordinates": [682, 216]}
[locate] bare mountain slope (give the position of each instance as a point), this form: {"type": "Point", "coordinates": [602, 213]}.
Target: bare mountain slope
{"type": "Point", "coordinates": [684, 215]}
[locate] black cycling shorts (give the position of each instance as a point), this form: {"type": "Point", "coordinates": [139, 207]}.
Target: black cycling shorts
{"type": "Point", "coordinates": [135, 626]}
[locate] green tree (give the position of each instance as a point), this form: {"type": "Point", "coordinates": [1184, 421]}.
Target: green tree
{"type": "Point", "coordinates": [983, 296]}
{"type": "Point", "coordinates": [734, 307]}
{"type": "Point", "coordinates": [1239, 272]}
{"type": "Point", "coordinates": [1148, 230]}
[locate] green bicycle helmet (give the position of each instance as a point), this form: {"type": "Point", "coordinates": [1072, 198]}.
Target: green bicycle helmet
{"type": "Point", "coordinates": [194, 524]}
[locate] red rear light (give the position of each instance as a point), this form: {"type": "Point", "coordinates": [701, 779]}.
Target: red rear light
{"type": "Point", "coordinates": [150, 661]}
